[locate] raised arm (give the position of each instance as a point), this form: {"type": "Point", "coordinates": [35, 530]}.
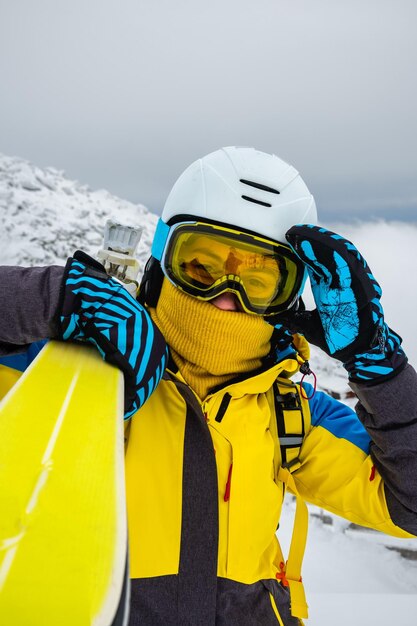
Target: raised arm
{"type": "Point", "coordinates": [348, 324]}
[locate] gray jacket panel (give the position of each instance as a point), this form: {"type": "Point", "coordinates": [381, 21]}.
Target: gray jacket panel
{"type": "Point", "coordinates": [29, 298]}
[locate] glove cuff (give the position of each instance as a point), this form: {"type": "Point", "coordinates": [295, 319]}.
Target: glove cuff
{"type": "Point", "coordinates": [383, 361]}
{"type": "Point", "coordinates": [68, 320]}
{"type": "Point", "coordinates": [58, 319]}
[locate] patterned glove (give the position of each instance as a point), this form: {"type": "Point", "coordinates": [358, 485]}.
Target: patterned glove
{"type": "Point", "coordinates": [98, 309]}
{"type": "Point", "coordinates": [348, 323]}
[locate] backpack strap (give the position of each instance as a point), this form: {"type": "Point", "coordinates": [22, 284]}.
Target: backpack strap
{"type": "Point", "coordinates": [290, 422]}
{"type": "Point", "coordinates": [292, 568]}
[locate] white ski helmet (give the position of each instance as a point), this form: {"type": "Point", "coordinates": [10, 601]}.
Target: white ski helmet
{"type": "Point", "coordinates": [244, 188]}
{"type": "Point", "coordinates": [241, 188]}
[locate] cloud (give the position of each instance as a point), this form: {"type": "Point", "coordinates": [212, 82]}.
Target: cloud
{"type": "Point", "coordinates": [126, 96]}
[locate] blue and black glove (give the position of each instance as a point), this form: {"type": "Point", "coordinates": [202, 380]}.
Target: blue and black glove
{"type": "Point", "coordinates": [281, 340]}
{"type": "Point", "coordinates": [98, 309]}
{"type": "Point", "coordinates": [348, 323]}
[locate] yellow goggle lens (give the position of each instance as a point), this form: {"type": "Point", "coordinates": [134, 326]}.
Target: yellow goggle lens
{"type": "Point", "coordinates": [205, 260]}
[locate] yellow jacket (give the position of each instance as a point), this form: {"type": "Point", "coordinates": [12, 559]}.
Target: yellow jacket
{"type": "Point", "coordinates": [204, 478]}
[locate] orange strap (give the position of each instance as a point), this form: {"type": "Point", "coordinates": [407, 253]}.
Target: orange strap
{"type": "Point", "coordinates": [291, 576]}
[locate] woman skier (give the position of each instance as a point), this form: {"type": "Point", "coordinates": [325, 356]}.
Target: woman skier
{"type": "Point", "coordinates": [211, 453]}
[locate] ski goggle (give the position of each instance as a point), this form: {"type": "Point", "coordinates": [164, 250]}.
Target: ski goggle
{"type": "Point", "coordinates": [205, 260]}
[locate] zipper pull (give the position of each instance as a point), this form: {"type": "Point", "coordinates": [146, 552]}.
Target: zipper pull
{"type": "Point", "coordinates": [306, 371]}
{"type": "Point", "coordinates": [228, 484]}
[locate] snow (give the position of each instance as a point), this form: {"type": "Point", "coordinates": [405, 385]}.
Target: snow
{"type": "Point", "coordinates": [351, 576]}
{"type": "Point", "coordinates": [45, 217]}
{"type": "Point", "coordinates": [362, 609]}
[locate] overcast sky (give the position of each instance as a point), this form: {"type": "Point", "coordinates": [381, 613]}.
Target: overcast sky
{"type": "Point", "coordinates": [124, 94]}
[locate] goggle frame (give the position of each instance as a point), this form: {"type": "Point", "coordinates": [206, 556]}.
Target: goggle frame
{"type": "Point", "coordinates": [227, 283]}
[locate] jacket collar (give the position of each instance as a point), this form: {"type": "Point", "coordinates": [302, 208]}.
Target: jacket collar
{"type": "Point", "coordinates": [255, 382]}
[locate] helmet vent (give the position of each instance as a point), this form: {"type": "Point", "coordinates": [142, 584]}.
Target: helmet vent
{"type": "Point", "coordinates": [251, 183]}
{"type": "Point", "coordinates": [256, 201]}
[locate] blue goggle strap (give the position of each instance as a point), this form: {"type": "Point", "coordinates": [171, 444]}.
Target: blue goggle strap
{"type": "Point", "coordinates": [160, 239]}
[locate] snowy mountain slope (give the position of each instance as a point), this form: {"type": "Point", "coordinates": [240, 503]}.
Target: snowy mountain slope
{"type": "Point", "coordinates": [45, 217]}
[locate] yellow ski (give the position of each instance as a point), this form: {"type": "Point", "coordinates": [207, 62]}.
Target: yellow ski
{"type": "Point", "coordinates": [63, 537]}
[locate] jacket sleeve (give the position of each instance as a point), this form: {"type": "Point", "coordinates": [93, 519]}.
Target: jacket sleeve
{"type": "Point", "coordinates": [363, 466]}
{"type": "Point", "coordinates": [389, 413]}
{"type": "Point", "coordinates": [29, 299]}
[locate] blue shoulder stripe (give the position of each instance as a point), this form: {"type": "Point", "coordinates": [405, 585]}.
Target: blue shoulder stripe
{"type": "Point", "coordinates": [339, 419]}
{"type": "Point", "coordinates": [21, 361]}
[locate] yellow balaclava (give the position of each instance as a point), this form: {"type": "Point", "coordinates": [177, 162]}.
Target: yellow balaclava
{"type": "Point", "coordinates": [209, 346]}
